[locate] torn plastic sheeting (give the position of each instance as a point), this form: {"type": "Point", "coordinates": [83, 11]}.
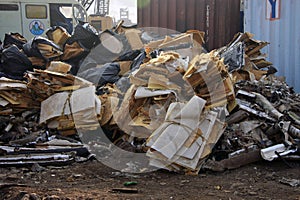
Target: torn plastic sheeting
{"type": "Point", "coordinates": [102, 75]}
{"type": "Point", "coordinates": [82, 100]}
{"type": "Point", "coordinates": [273, 152]}
{"type": "Point", "coordinates": [130, 55]}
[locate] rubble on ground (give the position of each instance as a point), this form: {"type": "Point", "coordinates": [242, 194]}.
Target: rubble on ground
{"type": "Point", "coordinates": [185, 108]}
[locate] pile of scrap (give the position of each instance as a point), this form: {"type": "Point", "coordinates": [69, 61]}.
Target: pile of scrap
{"type": "Point", "coordinates": [36, 117]}
{"type": "Point", "coordinates": [264, 123]}
{"type": "Point", "coordinates": [184, 108]}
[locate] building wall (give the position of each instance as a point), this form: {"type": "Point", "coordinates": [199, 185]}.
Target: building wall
{"type": "Point", "coordinates": [283, 35]}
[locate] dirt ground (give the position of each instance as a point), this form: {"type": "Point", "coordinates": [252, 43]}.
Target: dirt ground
{"type": "Point", "coordinates": [92, 180]}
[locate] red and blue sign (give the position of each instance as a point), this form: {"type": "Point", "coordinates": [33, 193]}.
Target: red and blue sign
{"type": "Point", "coordinates": [273, 9]}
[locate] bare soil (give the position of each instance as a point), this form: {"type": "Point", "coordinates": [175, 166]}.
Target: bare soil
{"type": "Point", "coordinates": [92, 180]}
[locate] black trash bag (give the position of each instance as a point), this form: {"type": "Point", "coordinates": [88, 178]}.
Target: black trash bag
{"type": "Point", "coordinates": [86, 36]}
{"type": "Point", "coordinates": [15, 63]}
{"type": "Point", "coordinates": [14, 38]}
{"type": "Point", "coordinates": [129, 56]}
{"type": "Point", "coordinates": [100, 76]}
{"type": "Point", "coordinates": [20, 78]}
{"type": "Point", "coordinates": [76, 63]}
{"type": "Point", "coordinates": [31, 49]}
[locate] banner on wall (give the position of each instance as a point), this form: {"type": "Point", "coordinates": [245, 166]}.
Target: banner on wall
{"type": "Point", "coordinates": [273, 9]}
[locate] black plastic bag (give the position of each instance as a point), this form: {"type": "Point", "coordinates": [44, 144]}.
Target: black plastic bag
{"type": "Point", "coordinates": [100, 76]}
{"type": "Point", "coordinates": [129, 56]}
{"type": "Point", "coordinates": [86, 35]}
{"type": "Point", "coordinates": [14, 62]}
{"type": "Point", "coordinates": [14, 38]}
{"type": "Point", "coordinates": [111, 47]}
{"type": "Point", "coordinates": [138, 61]}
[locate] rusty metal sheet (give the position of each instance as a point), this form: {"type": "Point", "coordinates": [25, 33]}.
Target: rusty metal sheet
{"type": "Point", "coordinates": [219, 19]}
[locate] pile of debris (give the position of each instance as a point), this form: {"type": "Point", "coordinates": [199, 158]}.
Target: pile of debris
{"type": "Point", "coordinates": [186, 109]}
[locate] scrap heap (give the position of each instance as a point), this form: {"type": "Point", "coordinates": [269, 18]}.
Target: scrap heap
{"type": "Point", "coordinates": [184, 108]}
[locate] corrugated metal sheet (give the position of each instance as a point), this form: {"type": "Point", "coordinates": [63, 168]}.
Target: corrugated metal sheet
{"type": "Point", "coordinates": [283, 34]}
{"type": "Point", "coordinates": [220, 19]}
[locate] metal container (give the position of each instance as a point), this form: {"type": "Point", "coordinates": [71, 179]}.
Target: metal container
{"type": "Point", "coordinates": [280, 26]}
{"type": "Point", "coordinates": [219, 19]}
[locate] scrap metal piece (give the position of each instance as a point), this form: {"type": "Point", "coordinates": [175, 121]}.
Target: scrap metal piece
{"type": "Point", "coordinates": [264, 103]}
{"type": "Point", "coordinates": [290, 182]}
{"type": "Point", "coordinates": [234, 56]}
{"type": "Point", "coordinates": [257, 113]}
{"type": "Point", "coordinates": [47, 159]}
{"type": "Point", "coordinates": [241, 159]}
{"type": "Point", "coordinates": [270, 153]}
{"type": "Point", "coordinates": [237, 117]}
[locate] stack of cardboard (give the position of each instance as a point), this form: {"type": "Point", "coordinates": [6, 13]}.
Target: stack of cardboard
{"type": "Point", "coordinates": [209, 77]}
{"type": "Point", "coordinates": [161, 106]}
{"type": "Point", "coordinates": [186, 137]}
{"type": "Point", "coordinates": [146, 102]}
{"type": "Point", "coordinates": [71, 110]}
{"type": "Point", "coordinates": [44, 83]}
{"type": "Point", "coordinates": [244, 57]}
{"type": "Point", "coordinates": [15, 97]}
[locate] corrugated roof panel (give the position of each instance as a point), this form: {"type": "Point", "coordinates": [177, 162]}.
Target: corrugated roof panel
{"type": "Point", "coordinates": [282, 33]}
